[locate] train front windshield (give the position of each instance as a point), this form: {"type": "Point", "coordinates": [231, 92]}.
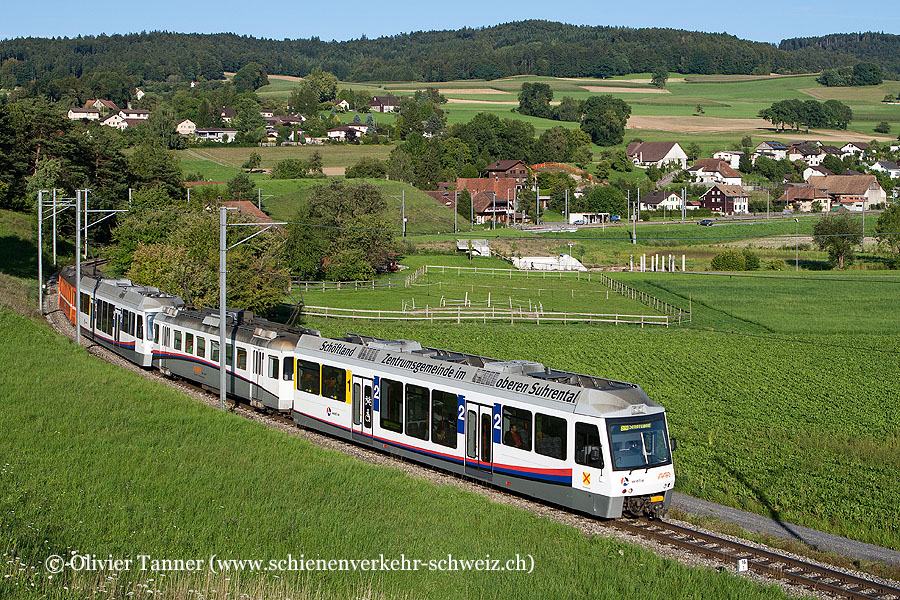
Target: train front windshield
{"type": "Point", "coordinates": [638, 443]}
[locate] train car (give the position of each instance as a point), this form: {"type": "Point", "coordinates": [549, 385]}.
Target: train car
{"type": "Point", "coordinates": [115, 313]}
{"type": "Point", "coordinates": [591, 444]}
{"type": "Point", "coordinates": [259, 354]}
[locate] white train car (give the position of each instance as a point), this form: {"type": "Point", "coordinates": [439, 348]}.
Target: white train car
{"type": "Point", "coordinates": [591, 444]}
{"type": "Point", "coordinates": [116, 313]}
{"type": "Point", "coordinates": [259, 354]}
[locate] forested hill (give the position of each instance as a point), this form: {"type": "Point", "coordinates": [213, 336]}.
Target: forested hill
{"type": "Point", "coordinates": [881, 48]}
{"type": "Point", "coordinates": [525, 47]}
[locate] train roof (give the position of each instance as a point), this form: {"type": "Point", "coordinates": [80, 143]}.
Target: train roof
{"type": "Point", "coordinates": [241, 326]}
{"type": "Point", "coordinates": [527, 381]}
{"type": "Point", "coordinates": [123, 291]}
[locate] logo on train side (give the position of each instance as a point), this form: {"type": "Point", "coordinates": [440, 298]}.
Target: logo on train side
{"type": "Point", "coordinates": [586, 477]}
{"type": "Point", "coordinates": [665, 475]}
{"type": "Point", "coordinates": [624, 482]}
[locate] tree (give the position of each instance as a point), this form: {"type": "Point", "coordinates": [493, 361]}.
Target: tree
{"type": "Point", "coordinates": [838, 235]}
{"type": "Point", "coordinates": [606, 198]}
{"type": "Point", "coordinates": [839, 114]}
{"type": "Point", "coordinates": [568, 110]}
{"type": "Point", "coordinates": [604, 119]}
{"type": "Point", "coordinates": [154, 166]}
{"type": "Point", "coordinates": [367, 167]}
{"type": "Point", "coordinates": [693, 151]}
{"type": "Point", "coordinates": [883, 127]}
{"type": "Point", "coordinates": [250, 77]}
{"type": "Point", "coordinates": [305, 100]}
{"type": "Point", "coordinates": [464, 204]}
{"type": "Point", "coordinates": [323, 83]}
{"type": "Point", "coordinates": [534, 100]}
{"type": "Point", "coordinates": [654, 173]}
{"type": "Point", "coordinates": [867, 73]}
{"type": "Point", "coordinates": [240, 188]}
{"type": "Point", "coordinates": [887, 228]}
{"type": "Point", "coordinates": [660, 77]}
{"type": "Point", "coordinates": [253, 162]}
{"type": "Point", "coordinates": [699, 110]}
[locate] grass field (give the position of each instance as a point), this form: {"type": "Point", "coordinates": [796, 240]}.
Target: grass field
{"type": "Point", "coordinates": [99, 460]}
{"type": "Point", "coordinates": [551, 292]}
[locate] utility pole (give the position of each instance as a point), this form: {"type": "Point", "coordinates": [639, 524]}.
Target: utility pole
{"type": "Point", "coordinates": [403, 209]}
{"type": "Point", "coordinates": [54, 227]}
{"type": "Point", "coordinates": [863, 248]}
{"type": "Point", "coordinates": [471, 215]}
{"type": "Point", "coordinates": [455, 211]}
{"type": "Point", "coordinates": [767, 203]}
{"type": "Point", "coordinates": [78, 267]}
{"type": "Point", "coordinates": [85, 224]}
{"type": "Point", "coordinates": [797, 244]}
{"type": "Point", "coordinates": [40, 251]}
{"type": "Point", "coordinates": [567, 206]}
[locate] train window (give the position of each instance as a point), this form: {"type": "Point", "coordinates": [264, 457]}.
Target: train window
{"type": "Point", "coordinates": [417, 411]}
{"type": "Point", "coordinates": [229, 355]}
{"type": "Point", "coordinates": [443, 418]}
{"type": "Point", "coordinates": [273, 367]}
{"type": "Point", "coordinates": [550, 436]}
{"type": "Point", "coordinates": [471, 439]}
{"type": "Point", "coordinates": [189, 343]}
{"type": "Point", "coordinates": [391, 405]}
{"type": "Point", "coordinates": [242, 358]}
{"type": "Point", "coordinates": [587, 446]}
{"type": "Point", "coordinates": [155, 331]}
{"type": "Point", "coordinates": [214, 351]}
{"type": "Point", "coordinates": [85, 303]}
{"type": "Point", "coordinates": [166, 336]}
{"type": "Point", "coordinates": [308, 380]}
{"type": "Point", "coordinates": [288, 373]}
{"type": "Point", "coordinates": [177, 340]}
{"type": "Point", "coordinates": [201, 346]}
{"type": "Point", "coordinates": [127, 322]}
{"type": "Point", "coordinates": [334, 383]}
{"type": "Point", "coordinates": [140, 327]}
{"type": "Point", "coordinates": [517, 428]}
{"type": "Point", "coordinates": [357, 403]}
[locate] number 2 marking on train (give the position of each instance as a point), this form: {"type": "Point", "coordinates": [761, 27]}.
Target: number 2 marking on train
{"type": "Point", "coordinates": [462, 413]}
{"type": "Point", "coordinates": [497, 422]}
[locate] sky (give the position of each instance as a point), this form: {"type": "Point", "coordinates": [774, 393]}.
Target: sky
{"type": "Point", "coordinates": [760, 20]}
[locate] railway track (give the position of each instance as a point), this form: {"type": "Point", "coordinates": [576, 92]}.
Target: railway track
{"type": "Point", "coordinates": [778, 566]}
{"type": "Point", "coordinates": [721, 551]}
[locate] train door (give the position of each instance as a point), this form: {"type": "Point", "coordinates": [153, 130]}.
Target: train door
{"type": "Point", "coordinates": [257, 375]}
{"type": "Point", "coordinates": [479, 440]}
{"type": "Point", "coordinates": [117, 326]}
{"type": "Point", "coordinates": [361, 404]}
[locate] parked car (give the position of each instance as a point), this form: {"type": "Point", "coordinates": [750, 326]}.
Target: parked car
{"type": "Point", "coordinates": [705, 222]}
{"type": "Point", "coordinates": [615, 218]}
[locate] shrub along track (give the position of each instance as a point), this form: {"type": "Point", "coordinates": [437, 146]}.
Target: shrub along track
{"type": "Point", "coordinates": [670, 539]}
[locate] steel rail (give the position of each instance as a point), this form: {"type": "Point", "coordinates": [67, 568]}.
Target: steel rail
{"type": "Point", "coordinates": [773, 564]}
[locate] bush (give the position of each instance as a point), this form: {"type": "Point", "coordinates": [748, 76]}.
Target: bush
{"type": "Point", "coordinates": [751, 260]}
{"type": "Point", "coordinates": [729, 260]}
{"type": "Point", "coordinates": [774, 265]}
{"type": "Point", "coordinates": [883, 127]}
{"type": "Point", "coordinates": [367, 167]}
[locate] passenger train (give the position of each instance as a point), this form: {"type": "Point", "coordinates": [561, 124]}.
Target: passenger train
{"type": "Point", "coordinates": [588, 443]}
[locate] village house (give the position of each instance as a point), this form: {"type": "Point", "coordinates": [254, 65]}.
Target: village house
{"type": "Point", "coordinates": [114, 120]}
{"type": "Point", "coordinates": [384, 104]}
{"type": "Point", "coordinates": [660, 199]}
{"type": "Point", "coordinates": [102, 105]}
{"type": "Point", "coordinates": [852, 192]}
{"type": "Point", "coordinates": [644, 154]}
{"type": "Point", "coordinates": [810, 154]}
{"type": "Point", "coordinates": [887, 166]}
{"type": "Point", "coordinates": [854, 149]}
{"type": "Point", "coordinates": [726, 199]}
{"type": "Point", "coordinates": [803, 197]}
{"type": "Point", "coordinates": [510, 169]}
{"type": "Point", "coordinates": [343, 133]}
{"type": "Point", "coordinates": [138, 93]}
{"type": "Point", "coordinates": [186, 127]}
{"type": "Point", "coordinates": [227, 114]}
{"type": "Point", "coordinates": [341, 105]}
{"type": "Point", "coordinates": [266, 113]}
{"type": "Point", "coordinates": [815, 171]}
{"type": "Point", "coordinates": [89, 114]}
{"type": "Point", "coordinates": [488, 206]}
{"type": "Point", "coordinates": [832, 150]}
{"type": "Point", "coordinates": [216, 134]}
{"type": "Point", "coordinates": [134, 113]}
{"type": "Point", "coordinates": [732, 157]}
{"type": "Point", "coordinates": [771, 149]}
{"type": "Point", "coordinates": [713, 170]}
{"type": "Point", "coordinates": [126, 123]}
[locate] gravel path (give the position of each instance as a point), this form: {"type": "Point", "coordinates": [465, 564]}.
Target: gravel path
{"type": "Point", "coordinates": [588, 525]}
{"type": "Point", "coordinates": [819, 540]}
